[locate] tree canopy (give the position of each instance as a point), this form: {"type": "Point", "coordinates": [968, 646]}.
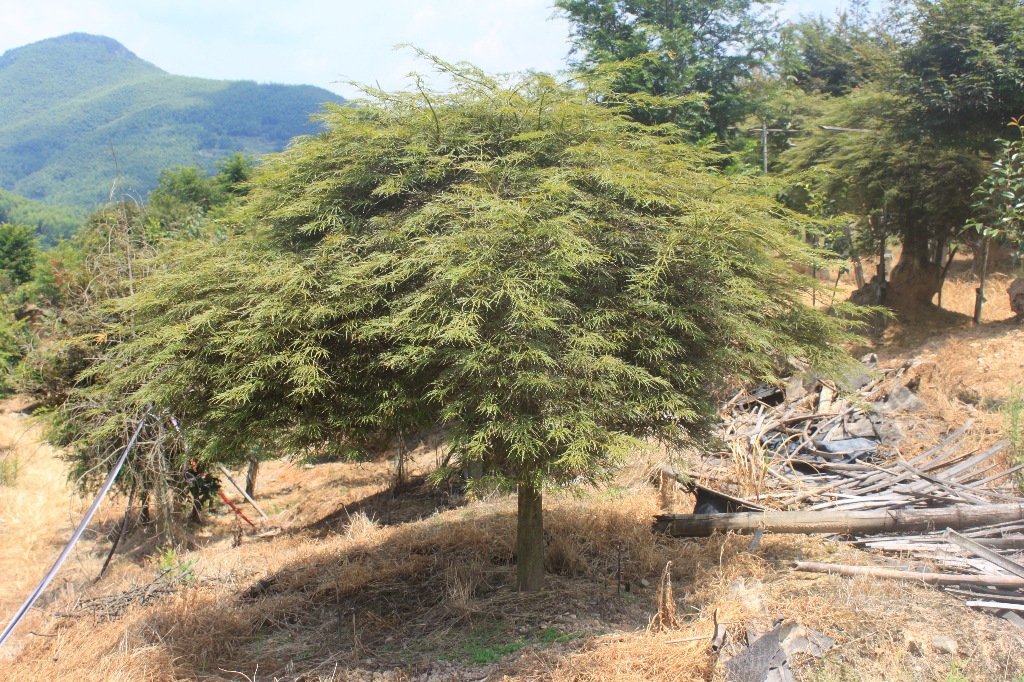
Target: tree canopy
{"type": "Point", "coordinates": [706, 48]}
{"type": "Point", "coordinates": [935, 83]}
{"type": "Point", "coordinates": [515, 261]}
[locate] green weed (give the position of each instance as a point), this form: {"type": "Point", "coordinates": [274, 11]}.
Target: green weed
{"type": "Point", "coordinates": [489, 644]}
{"type": "Point", "coordinates": [956, 672]}
{"type": "Point", "coordinates": [175, 568]}
{"type": "Point", "coordinates": [8, 469]}
{"type": "Point", "coordinates": [1013, 425]}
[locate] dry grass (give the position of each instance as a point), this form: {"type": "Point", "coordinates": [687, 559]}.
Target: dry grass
{"type": "Point", "coordinates": [38, 512]}
{"type": "Point", "coordinates": [364, 585]}
{"type": "Point", "coordinates": [396, 598]}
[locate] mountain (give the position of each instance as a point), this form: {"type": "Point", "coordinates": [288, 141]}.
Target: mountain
{"type": "Point", "coordinates": [79, 111]}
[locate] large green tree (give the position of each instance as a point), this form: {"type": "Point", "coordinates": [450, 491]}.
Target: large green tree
{"type": "Point", "coordinates": [518, 262]}
{"type": "Point", "coordinates": [937, 80]}
{"type": "Point", "coordinates": [960, 63]}
{"type": "Point", "coordinates": [699, 47]}
{"type": "Point", "coordinates": [914, 189]}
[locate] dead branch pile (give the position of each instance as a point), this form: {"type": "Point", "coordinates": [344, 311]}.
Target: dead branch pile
{"type": "Point", "coordinates": [816, 445]}
{"type": "Point", "coordinates": [830, 454]}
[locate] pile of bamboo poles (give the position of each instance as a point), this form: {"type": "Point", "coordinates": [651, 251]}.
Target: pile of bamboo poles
{"type": "Point", "coordinates": [815, 459]}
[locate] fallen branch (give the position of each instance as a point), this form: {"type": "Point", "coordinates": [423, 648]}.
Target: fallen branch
{"type": "Point", "coordinates": [842, 522]}
{"type": "Point", "coordinates": [895, 574]}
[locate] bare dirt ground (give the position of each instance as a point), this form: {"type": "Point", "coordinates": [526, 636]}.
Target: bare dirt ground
{"type": "Point", "coordinates": [360, 584]}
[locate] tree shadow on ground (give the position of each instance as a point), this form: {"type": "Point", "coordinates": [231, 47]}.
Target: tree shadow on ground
{"type": "Point", "coordinates": [414, 500]}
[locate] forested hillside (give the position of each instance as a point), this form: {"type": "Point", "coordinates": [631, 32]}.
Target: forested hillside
{"type": "Point", "coordinates": [51, 222]}
{"type": "Point", "coordinates": [79, 111]}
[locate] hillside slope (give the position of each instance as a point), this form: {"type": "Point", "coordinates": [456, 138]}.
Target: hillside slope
{"type": "Point", "coordinates": [70, 105]}
{"type": "Point", "coordinates": [51, 222]}
{"type": "Point", "coordinates": [348, 582]}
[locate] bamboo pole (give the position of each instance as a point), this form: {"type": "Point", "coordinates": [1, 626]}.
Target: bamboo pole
{"type": "Point", "coordinates": [844, 522]}
{"type": "Point", "coordinates": [241, 490]}
{"type": "Point", "coordinates": [930, 578]}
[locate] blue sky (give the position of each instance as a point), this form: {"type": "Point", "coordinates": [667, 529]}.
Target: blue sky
{"type": "Point", "coordinates": [319, 42]}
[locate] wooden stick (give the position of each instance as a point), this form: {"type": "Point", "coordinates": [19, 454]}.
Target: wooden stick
{"type": "Point", "coordinates": [244, 494]}
{"type": "Point", "coordinates": [843, 522]}
{"type": "Point", "coordinates": [930, 578]}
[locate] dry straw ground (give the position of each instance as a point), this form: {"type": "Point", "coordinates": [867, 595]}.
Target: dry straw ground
{"type": "Point", "coordinates": [363, 585]}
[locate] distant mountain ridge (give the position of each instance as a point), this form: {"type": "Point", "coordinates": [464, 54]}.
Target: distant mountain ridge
{"type": "Point", "coordinates": [70, 105]}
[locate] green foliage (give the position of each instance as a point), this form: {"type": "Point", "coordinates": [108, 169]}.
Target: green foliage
{"type": "Point", "coordinates": [51, 222]}
{"type": "Point", "coordinates": [998, 210]}
{"type": "Point", "coordinates": [699, 48]}
{"type": "Point", "coordinates": [961, 65]}
{"type": "Point", "coordinates": [916, 189]}
{"type": "Point", "coordinates": [81, 279]}
{"type": "Point", "coordinates": [173, 567]}
{"type": "Point", "coordinates": [185, 196]}
{"type": "Point", "coordinates": [71, 103]}
{"type": "Point", "coordinates": [18, 252]}
{"type": "Point", "coordinates": [533, 271]}
{"type": "Point", "coordinates": [829, 56]}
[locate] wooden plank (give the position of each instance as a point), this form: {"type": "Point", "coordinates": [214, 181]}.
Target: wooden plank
{"type": "Point", "coordinates": [948, 486]}
{"type": "Point", "coordinates": [940, 450]}
{"type": "Point", "coordinates": [974, 548]}
{"type": "Point", "coordinates": [1013, 618]}
{"type": "Point", "coordinates": [1000, 475]}
{"type": "Point", "coordinates": [951, 473]}
{"type": "Point", "coordinates": [843, 522]}
{"type": "Point", "coordinates": [1001, 595]}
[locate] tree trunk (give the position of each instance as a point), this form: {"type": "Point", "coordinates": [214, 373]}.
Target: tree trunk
{"type": "Point", "coordinates": [250, 477]}
{"type": "Point", "coordinates": [979, 299]}
{"type": "Point", "coordinates": [917, 278]}
{"type": "Point", "coordinates": [530, 539]}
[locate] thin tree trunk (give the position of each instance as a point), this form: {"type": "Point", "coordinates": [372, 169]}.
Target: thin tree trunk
{"type": "Point", "coordinates": [945, 271]}
{"type": "Point", "coordinates": [979, 299]}
{"type": "Point", "coordinates": [530, 539]}
{"type": "Point", "coordinates": [250, 477]}
{"type": "Point", "coordinates": [858, 266]}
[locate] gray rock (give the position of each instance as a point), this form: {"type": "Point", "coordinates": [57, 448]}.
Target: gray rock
{"type": "Point", "coordinates": [945, 644]}
{"type": "Point", "coordinates": [900, 398]}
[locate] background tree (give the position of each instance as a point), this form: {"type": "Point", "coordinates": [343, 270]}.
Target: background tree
{"type": "Point", "coordinates": [536, 273]}
{"type": "Point", "coordinates": [185, 196]}
{"type": "Point", "coordinates": [102, 263]}
{"type": "Point", "coordinates": [18, 252]}
{"type": "Point", "coordinates": [960, 63]}
{"type": "Point", "coordinates": [998, 210]}
{"type": "Point", "coordinates": [702, 47]}
{"type": "Point", "coordinates": [940, 79]}
{"type": "Point", "coordinates": [829, 56]}
{"type": "Point", "coordinates": [916, 190]}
